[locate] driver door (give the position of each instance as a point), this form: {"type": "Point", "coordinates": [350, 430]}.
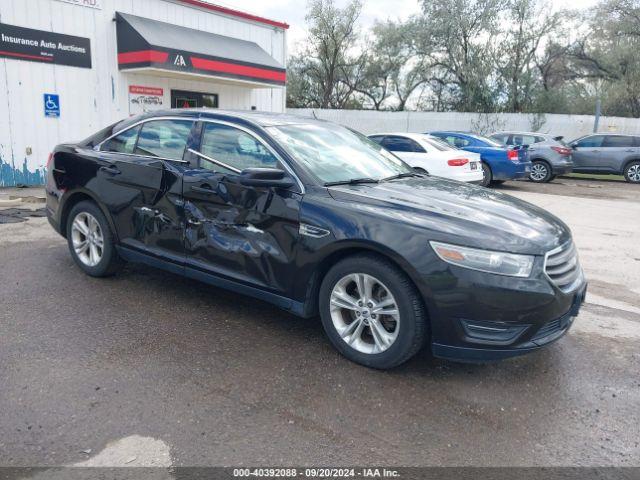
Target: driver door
{"type": "Point", "coordinates": [240, 233]}
{"type": "Point", "coordinates": [587, 153]}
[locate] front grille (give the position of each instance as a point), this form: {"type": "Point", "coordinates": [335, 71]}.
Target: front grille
{"type": "Point", "coordinates": [562, 266]}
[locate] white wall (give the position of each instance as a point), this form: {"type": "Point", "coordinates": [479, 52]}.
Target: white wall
{"type": "Point", "coordinates": [369, 121]}
{"type": "Point", "coordinates": [93, 98]}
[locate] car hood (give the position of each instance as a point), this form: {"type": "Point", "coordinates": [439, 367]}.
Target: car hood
{"type": "Point", "coordinates": [457, 212]}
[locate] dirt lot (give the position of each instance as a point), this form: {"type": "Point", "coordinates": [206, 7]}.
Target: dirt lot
{"type": "Point", "coordinates": [147, 368]}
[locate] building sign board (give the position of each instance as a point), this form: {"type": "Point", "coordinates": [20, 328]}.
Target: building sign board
{"type": "Point", "coordinates": [145, 99]}
{"type": "Point", "coordinates": [51, 105]}
{"type": "Point", "coordinates": [85, 3]}
{"type": "Point", "coordinates": [41, 46]}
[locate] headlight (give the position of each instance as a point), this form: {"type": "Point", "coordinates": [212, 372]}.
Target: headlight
{"type": "Point", "coordinates": [501, 263]}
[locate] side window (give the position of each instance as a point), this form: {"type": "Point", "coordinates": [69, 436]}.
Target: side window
{"type": "Point", "coordinates": [123, 142]}
{"type": "Point", "coordinates": [458, 142]}
{"type": "Point", "coordinates": [164, 138]}
{"type": "Point", "coordinates": [593, 141]}
{"type": "Point", "coordinates": [233, 147]}
{"type": "Point", "coordinates": [401, 144]}
{"type": "Point", "coordinates": [539, 139]}
{"type": "Point", "coordinates": [619, 141]}
{"type": "Point", "coordinates": [502, 138]}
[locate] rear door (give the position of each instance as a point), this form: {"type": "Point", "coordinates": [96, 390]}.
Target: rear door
{"type": "Point", "coordinates": [587, 153]}
{"type": "Point", "coordinates": [241, 233]}
{"type": "Point", "coordinates": [616, 150]}
{"type": "Point", "coordinates": [140, 181]}
{"type": "Point", "coordinates": [410, 151]}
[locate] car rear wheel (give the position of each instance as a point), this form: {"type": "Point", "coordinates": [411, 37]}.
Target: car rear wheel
{"type": "Point", "coordinates": [540, 172]}
{"type": "Point", "coordinates": [632, 172]}
{"type": "Point", "coordinates": [91, 241]}
{"type": "Point", "coordinates": [487, 175]}
{"type": "Point", "coordinates": [372, 312]}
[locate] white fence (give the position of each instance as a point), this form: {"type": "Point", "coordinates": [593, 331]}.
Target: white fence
{"type": "Point", "coordinates": [569, 126]}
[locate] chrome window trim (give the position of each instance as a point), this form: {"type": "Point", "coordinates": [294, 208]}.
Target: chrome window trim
{"type": "Point", "coordinates": [262, 142]}
{"type": "Point", "coordinates": [214, 161]}
{"type": "Point", "coordinates": [98, 147]}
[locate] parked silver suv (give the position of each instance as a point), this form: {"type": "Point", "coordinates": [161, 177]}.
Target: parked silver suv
{"type": "Point", "coordinates": [608, 153]}
{"type": "Point", "coordinates": [549, 156]}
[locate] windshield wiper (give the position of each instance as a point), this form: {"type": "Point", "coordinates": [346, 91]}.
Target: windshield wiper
{"type": "Point", "coordinates": [352, 181]}
{"type": "Point", "coordinates": [401, 175]}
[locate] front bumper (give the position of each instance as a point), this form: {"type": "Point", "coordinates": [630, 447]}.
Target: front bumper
{"type": "Point", "coordinates": [478, 317]}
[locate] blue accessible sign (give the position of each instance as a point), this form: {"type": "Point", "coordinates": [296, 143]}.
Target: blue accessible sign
{"type": "Point", "coordinates": [51, 105]}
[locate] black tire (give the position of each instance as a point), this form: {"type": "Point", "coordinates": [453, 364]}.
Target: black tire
{"type": "Point", "coordinates": [632, 172]}
{"type": "Point", "coordinates": [553, 177]}
{"type": "Point", "coordinates": [413, 324]}
{"type": "Point", "coordinates": [110, 262]}
{"type": "Point", "coordinates": [487, 175]}
{"type": "Point", "coordinates": [541, 166]}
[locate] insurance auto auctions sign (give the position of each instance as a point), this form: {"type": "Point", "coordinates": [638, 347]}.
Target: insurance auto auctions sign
{"type": "Point", "coordinates": [85, 3]}
{"type": "Point", "coordinates": [41, 46]}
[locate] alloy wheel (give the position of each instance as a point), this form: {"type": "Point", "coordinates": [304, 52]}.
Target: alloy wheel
{"type": "Point", "coordinates": [634, 173]}
{"type": "Point", "coordinates": [87, 239]}
{"type": "Point", "coordinates": [364, 313]}
{"type": "Point", "coordinates": [539, 172]}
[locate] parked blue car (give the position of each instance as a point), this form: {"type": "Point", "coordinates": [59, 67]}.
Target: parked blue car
{"type": "Point", "coordinates": [499, 163]}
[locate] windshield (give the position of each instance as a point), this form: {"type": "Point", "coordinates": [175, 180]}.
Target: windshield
{"type": "Point", "coordinates": [336, 154]}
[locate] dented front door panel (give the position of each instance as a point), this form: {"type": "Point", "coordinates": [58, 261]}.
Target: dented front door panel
{"type": "Point", "coordinates": [243, 233]}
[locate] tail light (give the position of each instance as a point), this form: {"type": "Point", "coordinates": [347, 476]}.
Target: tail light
{"type": "Point", "coordinates": [512, 155]}
{"type": "Point", "coordinates": [562, 150]}
{"type": "Point", "coordinates": [457, 162]}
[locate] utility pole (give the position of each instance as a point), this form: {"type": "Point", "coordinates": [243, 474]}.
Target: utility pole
{"type": "Point", "coordinates": [596, 121]}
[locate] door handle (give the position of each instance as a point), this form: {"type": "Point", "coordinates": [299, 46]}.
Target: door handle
{"type": "Point", "coordinates": [205, 190]}
{"type": "Point", "coordinates": [112, 169]}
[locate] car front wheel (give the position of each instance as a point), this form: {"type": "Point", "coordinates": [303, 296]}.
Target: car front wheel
{"type": "Point", "coordinates": [540, 172]}
{"type": "Point", "coordinates": [632, 172]}
{"type": "Point", "coordinates": [91, 241]}
{"type": "Point", "coordinates": [372, 312]}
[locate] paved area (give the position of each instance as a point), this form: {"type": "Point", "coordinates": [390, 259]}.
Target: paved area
{"type": "Point", "coordinates": [147, 368]}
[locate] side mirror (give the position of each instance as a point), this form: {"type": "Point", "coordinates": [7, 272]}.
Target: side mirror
{"type": "Point", "coordinates": [265, 177]}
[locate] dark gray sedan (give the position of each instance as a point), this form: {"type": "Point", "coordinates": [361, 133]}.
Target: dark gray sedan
{"type": "Point", "coordinates": [549, 156]}
{"type": "Point", "coordinates": [608, 153]}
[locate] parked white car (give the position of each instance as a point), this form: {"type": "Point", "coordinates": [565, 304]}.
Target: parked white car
{"type": "Point", "coordinates": [428, 153]}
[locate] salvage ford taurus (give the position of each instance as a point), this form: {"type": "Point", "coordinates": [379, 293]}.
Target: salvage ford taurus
{"type": "Point", "coordinates": [318, 219]}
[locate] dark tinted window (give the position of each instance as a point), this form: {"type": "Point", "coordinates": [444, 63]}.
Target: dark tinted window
{"type": "Point", "coordinates": [164, 138]}
{"type": "Point", "coordinates": [233, 147]}
{"type": "Point", "coordinates": [457, 142]}
{"type": "Point", "coordinates": [590, 142]}
{"type": "Point", "coordinates": [617, 141]}
{"type": "Point", "coordinates": [401, 144]}
{"type": "Point", "coordinates": [122, 143]}
{"type": "Point", "coordinates": [377, 138]}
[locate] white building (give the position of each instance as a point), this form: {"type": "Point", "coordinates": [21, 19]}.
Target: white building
{"type": "Point", "coordinates": [71, 67]}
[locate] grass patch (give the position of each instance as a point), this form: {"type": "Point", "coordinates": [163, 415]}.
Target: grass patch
{"type": "Point", "coordinates": [595, 176]}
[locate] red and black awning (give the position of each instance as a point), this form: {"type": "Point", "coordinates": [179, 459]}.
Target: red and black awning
{"type": "Point", "coordinates": [148, 44]}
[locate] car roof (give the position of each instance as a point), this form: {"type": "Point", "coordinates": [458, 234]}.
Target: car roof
{"type": "Point", "coordinates": [534, 134]}
{"type": "Point", "coordinates": [414, 135]}
{"type": "Point", "coordinates": [263, 119]}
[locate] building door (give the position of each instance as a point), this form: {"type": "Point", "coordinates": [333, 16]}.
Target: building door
{"type": "Point", "coordinates": [185, 99]}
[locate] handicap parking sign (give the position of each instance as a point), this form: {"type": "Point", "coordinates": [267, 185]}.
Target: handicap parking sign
{"type": "Point", "coordinates": [51, 105]}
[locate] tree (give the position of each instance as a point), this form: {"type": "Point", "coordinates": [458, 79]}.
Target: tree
{"type": "Point", "coordinates": [318, 74]}
{"type": "Point", "coordinates": [457, 36]}
{"type": "Point", "coordinates": [530, 23]}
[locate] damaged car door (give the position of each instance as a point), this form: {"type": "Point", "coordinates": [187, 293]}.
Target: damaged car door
{"type": "Point", "coordinates": [245, 234]}
{"type": "Point", "coordinates": [142, 171]}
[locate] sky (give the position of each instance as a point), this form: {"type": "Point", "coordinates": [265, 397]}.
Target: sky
{"type": "Point", "coordinates": [293, 12]}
